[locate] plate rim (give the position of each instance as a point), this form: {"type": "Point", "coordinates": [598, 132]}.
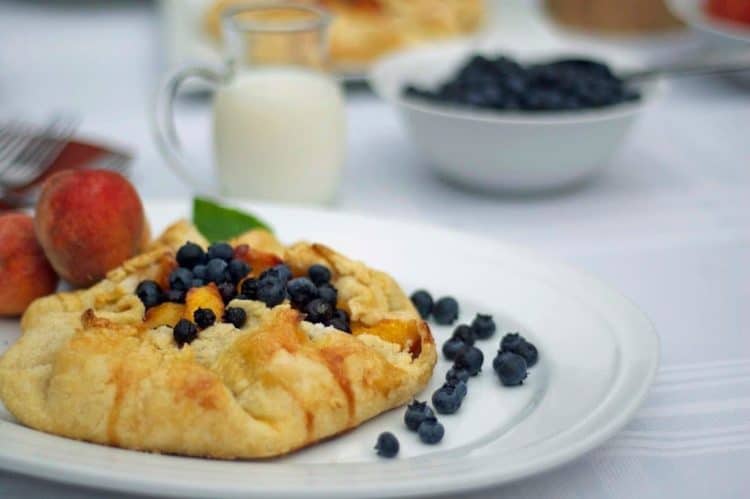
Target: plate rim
{"type": "Point", "coordinates": [107, 480]}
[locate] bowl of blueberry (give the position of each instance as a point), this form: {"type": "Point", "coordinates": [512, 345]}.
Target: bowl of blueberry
{"type": "Point", "coordinates": [494, 122]}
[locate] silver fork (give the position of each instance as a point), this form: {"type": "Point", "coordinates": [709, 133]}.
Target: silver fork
{"type": "Point", "coordinates": [26, 155]}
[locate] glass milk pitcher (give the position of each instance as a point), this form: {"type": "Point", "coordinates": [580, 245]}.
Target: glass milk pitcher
{"type": "Point", "coordinates": [278, 117]}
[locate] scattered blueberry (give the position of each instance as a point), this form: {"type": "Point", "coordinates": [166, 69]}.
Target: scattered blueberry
{"type": "Point", "coordinates": [180, 279]}
{"type": "Point", "coordinates": [216, 270]}
{"type": "Point", "coordinates": [469, 358]}
{"type": "Point", "coordinates": [430, 431]}
{"type": "Point", "coordinates": [387, 445]}
{"type": "Point", "coordinates": [483, 326]}
{"type": "Point", "coordinates": [235, 316]}
{"type": "Point", "coordinates": [249, 289]}
{"type": "Point", "coordinates": [416, 412]}
{"type": "Point", "coordinates": [184, 332]}
{"type": "Point", "coordinates": [465, 334]}
{"type": "Point", "coordinates": [455, 374]}
{"type": "Point", "coordinates": [319, 311]}
{"type": "Point", "coordinates": [459, 386]}
{"type": "Point", "coordinates": [189, 255]}
{"type": "Point", "coordinates": [447, 399]}
{"type": "Point", "coordinates": [301, 291]}
{"type": "Point", "coordinates": [319, 274]}
{"type": "Point", "coordinates": [281, 272]}
{"type": "Point", "coordinates": [228, 291]}
{"type": "Point", "coordinates": [149, 292]}
{"type": "Point", "coordinates": [238, 269]}
{"type": "Point", "coordinates": [445, 310]}
{"type": "Point", "coordinates": [221, 251]}
{"type": "Point", "coordinates": [451, 348]}
{"type": "Point", "coordinates": [510, 368]}
{"type": "Point", "coordinates": [328, 293]}
{"type": "Point", "coordinates": [422, 301]}
{"type": "Point", "coordinates": [176, 295]}
{"type": "Point", "coordinates": [271, 292]}
{"type": "Point", "coordinates": [515, 343]}
{"type": "Point", "coordinates": [199, 271]}
{"type": "Point", "coordinates": [204, 317]}
{"type": "Point", "coordinates": [511, 342]}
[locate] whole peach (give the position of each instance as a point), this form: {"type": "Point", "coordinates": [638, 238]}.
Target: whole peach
{"type": "Point", "coordinates": [25, 273]}
{"type": "Point", "coordinates": [89, 222]}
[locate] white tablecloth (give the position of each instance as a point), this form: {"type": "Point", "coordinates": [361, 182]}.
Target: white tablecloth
{"type": "Point", "coordinates": [668, 224]}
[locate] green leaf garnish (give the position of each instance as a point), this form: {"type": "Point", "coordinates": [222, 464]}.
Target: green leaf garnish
{"type": "Point", "coordinates": [221, 223]}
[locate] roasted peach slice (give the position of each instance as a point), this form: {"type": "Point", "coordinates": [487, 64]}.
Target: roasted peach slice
{"type": "Point", "coordinates": [401, 332]}
{"type": "Point", "coordinates": [258, 260]}
{"type": "Point", "coordinates": [166, 314]}
{"type": "Point", "coordinates": [204, 297]}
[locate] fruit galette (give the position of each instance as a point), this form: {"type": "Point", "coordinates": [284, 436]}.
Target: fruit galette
{"type": "Point", "coordinates": [234, 350]}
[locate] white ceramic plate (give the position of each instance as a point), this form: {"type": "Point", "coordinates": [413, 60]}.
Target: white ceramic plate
{"type": "Point", "coordinates": [692, 13]}
{"type": "Point", "coordinates": [598, 356]}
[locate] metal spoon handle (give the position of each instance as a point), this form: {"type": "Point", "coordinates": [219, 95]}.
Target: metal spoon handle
{"type": "Point", "coordinates": [692, 68]}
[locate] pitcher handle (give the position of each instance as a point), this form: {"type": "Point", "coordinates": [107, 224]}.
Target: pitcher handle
{"type": "Point", "coordinates": [164, 127]}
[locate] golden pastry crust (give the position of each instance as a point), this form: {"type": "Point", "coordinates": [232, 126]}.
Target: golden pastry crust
{"type": "Point", "coordinates": [363, 30]}
{"type": "Point", "coordinates": [87, 367]}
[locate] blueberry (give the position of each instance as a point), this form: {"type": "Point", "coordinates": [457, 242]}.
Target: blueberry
{"type": "Point", "coordinates": [319, 274]}
{"type": "Point", "coordinates": [184, 332]}
{"type": "Point", "coordinates": [483, 326]}
{"type": "Point", "coordinates": [197, 283]}
{"type": "Point", "coordinates": [221, 251]}
{"type": "Point", "coordinates": [454, 374]}
{"type": "Point", "coordinates": [451, 348]}
{"type": "Point", "coordinates": [447, 399]}
{"type": "Point", "coordinates": [469, 358]}
{"type": "Point", "coordinates": [281, 272]}
{"type": "Point", "coordinates": [238, 270]}
{"type": "Point", "coordinates": [511, 342]}
{"type": "Point", "coordinates": [430, 431]}
{"type": "Point", "coordinates": [416, 412]}
{"type": "Point", "coordinates": [341, 314]}
{"type": "Point", "coordinates": [328, 293]}
{"type": "Point", "coordinates": [228, 291]}
{"type": "Point", "coordinates": [422, 301]}
{"type": "Point", "coordinates": [529, 353]}
{"type": "Point", "coordinates": [249, 289]}
{"type": "Point", "coordinates": [180, 279]}
{"type": "Point", "coordinates": [510, 368]}
{"type": "Point", "coordinates": [459, 386]}
{"type": "Point", "coordinates": [176, 296]}
{"type": "Point", "coordinates": [189, 255]}
{"type": "Point", "coordinates": [465, 334]}
{"type": "Point", "coordinates": [216, 270]}
{"type": "Point", "coordinates": [339, 324]}
{"type": "Point", "coordinates": [301, 291]}
{"type": "Point", "coordinates": [199, 271]}
{"type": "Point", "coordinates": [235, 316]}
{"type": "Point", "coordinates": [204, 317]}
{"type": "Point", "coordinates": [445, 310]}
{"type": "Point", "coordinates": [319, 311]}
{"type": "Point", "coordinates": [149, 292]}
{"type": "Point", "coordinates": [387, 445]}
{"type": "Point", "coordinates": [271, 292]}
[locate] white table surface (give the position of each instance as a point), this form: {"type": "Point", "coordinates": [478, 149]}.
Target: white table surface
{"type": "Point", "coordinates": [668, 224]}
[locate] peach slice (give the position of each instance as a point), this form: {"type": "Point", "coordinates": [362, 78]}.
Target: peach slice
{"type": "Point", "coordinates": [258, 260]}
{"type": "Point", "coordinates": [166, 314]}
{"type": "Point", "coordinates": [204, 297]}
{"type": "Point", "coordinates": [401, 332]}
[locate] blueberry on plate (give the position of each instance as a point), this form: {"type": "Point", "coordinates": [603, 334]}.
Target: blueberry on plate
{"type": "Point", "coordinates": [184, 332]}
{"type": "Point", "coordinates": [149, 292]}
{"type": "Point", "coordinates": [189, 255]}
{"type": "Point", "coordinates": [430, 431]}
{"type": "Point", "coordinates": [517, 344]}
{"type": "Point", "coordinates": [271, 292]}
{"type": "Point", "coordinates": [319, 274]}
{"type": "Point", "coordinates": [460, 387]}
{"type": "Point", "coordinates": [204, 317]}
{"type": "Point", "coordinates": [222, 251]}
{"type": "Point", "coordinates": [445, 310]}
{"type": "Point", "coordinates": [483, 326]}
{"type": "Point", "coordinates": [249, 289]}
{"type": "Point", "coordinates": [238, 270]}
{"type": "Point", "coordinates": [216, 270]}
{"type": "Point", "coordinates": [235, 316]}
{"type": "Point", "coordinates": [318, 311]}
{"type": "Point", "coordinates": [328, 293]}
{"type": "Point", "coordinates": [454, 374]}
{"type": "Point", "coordinates": [511, 342]}
{"type": "Point", "coordinates": [447, 399]}
{"type": "Point", "coordinates": [510, 368]}
{"type": "Point", "coordinates": [469, 358]}
{"type": "Point", "coordinates": [422, 301]}
{"type": "Point", "coordinates": [387, 445]}
{"type": "Point", "coordinates": [465, 334]}
{"type": "Point", "coordinates": [301, 291]}
{"type": "Point", "coordinates": [180, 279]}
{"type": "Point", "coordinates": [451, 348]}
{"type": "Point", "coordinates": [416, 412]}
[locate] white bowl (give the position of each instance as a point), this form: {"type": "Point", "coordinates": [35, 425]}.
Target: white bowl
{"type": "Point", "coordinates": [504, 151]}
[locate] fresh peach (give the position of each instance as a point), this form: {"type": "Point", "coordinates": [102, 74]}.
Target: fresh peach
{"type": "Point", "coordinates": [25, 273]}
{"type": "Point", "coordinates": [89, 222]}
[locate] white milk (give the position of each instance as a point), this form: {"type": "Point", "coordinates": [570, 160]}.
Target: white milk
{"type": "Point", "coordinates": [279, 134]}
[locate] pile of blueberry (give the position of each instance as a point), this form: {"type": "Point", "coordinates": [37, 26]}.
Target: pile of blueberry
{"type": "Point", "coordinates": [501, 83]}
{"type": "Point", "coordinates": [444, 311]}
{"type": "Point", "coordinates": [513, 359]}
